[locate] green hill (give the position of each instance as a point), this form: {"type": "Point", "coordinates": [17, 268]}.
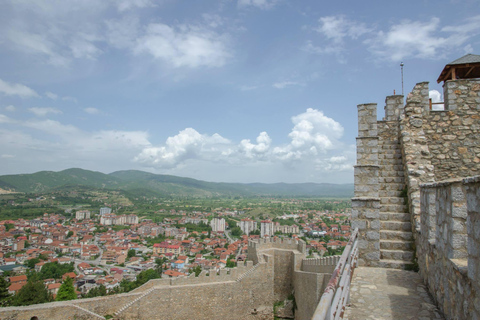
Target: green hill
{"type": "Point", "coordinates": [143, 183]}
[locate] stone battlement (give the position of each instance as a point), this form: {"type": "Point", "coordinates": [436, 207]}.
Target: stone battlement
{"type": "Point", "coordinates": [417, 186]}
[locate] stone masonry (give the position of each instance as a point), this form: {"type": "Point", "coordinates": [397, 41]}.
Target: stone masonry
{"type": "Point", "coordinates": [275, 271]}
{"type": "Point", "coordinates": [426, 164]}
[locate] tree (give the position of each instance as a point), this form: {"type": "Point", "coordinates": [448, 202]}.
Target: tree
{"type": "Point", "coordinates": [5, 297]}
{"type": "Point", "coordinates": [32, 292]}
{"type": "Point", "coordinates": [197, 270]}
{"type": "Point", "coordinates": [31, 262]}
{"type": "Point", "coordinates": [131, 253]}
{"type": "Point", "coordinates": [101, 290]}
{"type": "Point", "coordinates": [231, 263]}
{"type": "Point", "coordinates": [66, 291]}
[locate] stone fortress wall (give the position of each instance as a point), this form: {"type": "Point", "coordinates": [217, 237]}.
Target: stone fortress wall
{"type": "Point", "coordinates": [275, 270]}
{"type": "Point", "coordinates": [439, 153]}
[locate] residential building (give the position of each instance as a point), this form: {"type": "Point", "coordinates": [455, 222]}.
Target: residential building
{"type": "Point", "coordinates": [218, 224]}
{"type": "Point", "coordinates": [266, 228]}
{"type": "Point", "coordinates": [247, 225]}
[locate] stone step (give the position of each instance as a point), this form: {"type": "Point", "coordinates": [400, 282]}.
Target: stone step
{"type": "Point", "coordinates": [393, 208]}
{"type": "Point", "coordinates": [389, 147]}
{"type": "Point", "coordinates": [383, 172]}
{"type": "Point", "coordinates": [390, 163]}
{"type": "Point", "coordinates": [396, 245]}
{"type": "Point", "coordinates": [396, 255]}
{"type": "Point", "coordinates": [384, 180]}
{"type": "Point", "coordinates": [395, 235]}
{"type": "Point", "coordinates": [395, 216]}
{"type": "Point", "coordinates": [392, 200]}
{"type": "Point", "coordinates": [394, 264]}
{"type": "Point", "coordinates": [392, 193]}
{"type": "Point", "coordinates": [392, 186]}
{"type": "Point", "coordinates": [395, 225]}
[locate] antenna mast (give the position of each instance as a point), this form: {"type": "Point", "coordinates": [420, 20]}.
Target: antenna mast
{"type": "Point", "coordinates": [401, 66]}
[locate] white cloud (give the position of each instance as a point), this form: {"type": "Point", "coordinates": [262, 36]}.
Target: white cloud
{"type": "Point", "coordinates": [16, 89]}
{"type": "Point", "coordinates": [258, 150]}
{"type": "Point", "coordinates": [410, 38]}
{"type": "Point", "coordinates": [5, 119]}
{"type": "Point", "coordinates": [53, 127]}
{"type": "Point", "coordinates": [122, 33]}
{"type": "Point", "coordinates": [406, 39]}
{"type": "Point", "coordinates": [337, 28]}
{"type": "Point", "coordinates": [262, 4]}
{"type": "Point", "coordinates": [314, 129]}
{"type": "Point", "coordinates": [42, 112]}
{"type": "Point", "coordinates": [123, 5]}
{"type": "Point", "coordinates": [7, 156]}
{"type": "Point", "coordinates": [82, 47]}
{"type": "Point", "coordinates": [37, 44]}
{"type": "Point", "coordinates": [334, 164]}
{"type": "Point", "coordinates": [51, 95]}
{"type": "Point", "coordinates": [436, 98]}
{"type": "Point", "coordinates": [248, 88]}
{"type": "Point", "coordinates": [184, 46]}
{"type": "Point", "coordinates": [284, 84]}
{"type": "Point", "coordinates": [187, 144]}
{"type": "Point", "coordinates": [426, 40]}
{"type": "Point", "coordinates": [313, 134]}
{"type": "Point", "coordinates": [72, 99]}
{"type": "Point", "coordinates": [91, 110]}
{"type": "Point", "coordinates": [10, 108]}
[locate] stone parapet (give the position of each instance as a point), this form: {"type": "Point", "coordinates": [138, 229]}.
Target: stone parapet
{"type": "Point", "coordinates": [367, 150]}
{"type": "Point", "coordinates": [367, 120]}
{"type": "Point", "coordinates": [448, 245]}
{"type": "Point", "coordinates": [366, 217]}
{"type": "Point", "coordinates": [393, 107]}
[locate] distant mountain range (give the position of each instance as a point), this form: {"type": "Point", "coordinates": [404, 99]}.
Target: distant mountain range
{"type": "Point", "coordinates": [149, 184]}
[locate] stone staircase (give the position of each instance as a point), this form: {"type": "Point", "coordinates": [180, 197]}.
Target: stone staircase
{"type": "Point", "coordinates": [126, 306]}
{"type": "Point", "coordinates": [396, 242]}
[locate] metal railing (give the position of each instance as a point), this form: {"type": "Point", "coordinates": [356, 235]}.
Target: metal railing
{"type": "Point", "coordinates": [337, 293]}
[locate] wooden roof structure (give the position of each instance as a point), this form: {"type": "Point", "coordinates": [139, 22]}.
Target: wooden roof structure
{"type": "Point", "coordinates": [466, 67]}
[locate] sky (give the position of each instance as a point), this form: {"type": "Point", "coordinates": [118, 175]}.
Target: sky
{"type": "Point", "coordinates": [217, 90]}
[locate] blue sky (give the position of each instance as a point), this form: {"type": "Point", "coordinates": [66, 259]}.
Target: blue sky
{"type": "Point", "coordinates": [225, 90]}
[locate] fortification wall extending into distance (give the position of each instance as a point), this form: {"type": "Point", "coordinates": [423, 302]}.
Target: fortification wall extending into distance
{"type": "Point", "coordinates": [439, 166]}
{"type": "Point", "coordinates": [276, 271]}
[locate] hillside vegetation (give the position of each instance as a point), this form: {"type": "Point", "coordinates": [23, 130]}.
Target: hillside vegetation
{"type": "Point", "coordinates": [141, 183]}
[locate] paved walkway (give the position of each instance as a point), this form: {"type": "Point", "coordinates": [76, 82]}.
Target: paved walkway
{"type": "Point", "coordinates": [389, 294]}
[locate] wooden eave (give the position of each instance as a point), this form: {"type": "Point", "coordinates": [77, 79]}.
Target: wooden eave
{"type": "Point", "coordinates": [459, 71]}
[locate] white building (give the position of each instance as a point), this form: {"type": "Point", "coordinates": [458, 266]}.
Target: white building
{"type": "Point", "coordinates": [266, 228]}
{"type": "Point", "coordinates": [247, 225]}
{"type": "Point", "coordinates": [105, 210]}
{"type": "Point", "coordinates": [114, 220]}
{"type": "Point", "coordinates": [82, 214]}
{"type": "Point", "coordinates": [218, 224]}
{"type": "Point", "coordinates": [286, 228]}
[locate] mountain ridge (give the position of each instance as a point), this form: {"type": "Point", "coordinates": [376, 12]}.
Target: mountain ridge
{"type": "Point", "coordinates": [164, 185]}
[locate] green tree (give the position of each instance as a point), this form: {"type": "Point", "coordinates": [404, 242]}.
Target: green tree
{"type": "Point", "coordinates": [236, 231]}
{"type": "Point", "coordinates": [66, 291]}
{"type": "Point", "coordinates": [231, 263]}
{"type": "Point", "coordinates": [99, 291]}
{"type": "Point", "coordinates": [131, 253]}
{"type": "Point", "coordinates": [197, 270]}
{"type": "Point", "coordinates": [31, 262]}
{"type": "Point", "coordinates": [69, 234]}
{"type": "Point", "coordinates": [5, 297]}
{"type": "Point", "coordinates": [32, 292]}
